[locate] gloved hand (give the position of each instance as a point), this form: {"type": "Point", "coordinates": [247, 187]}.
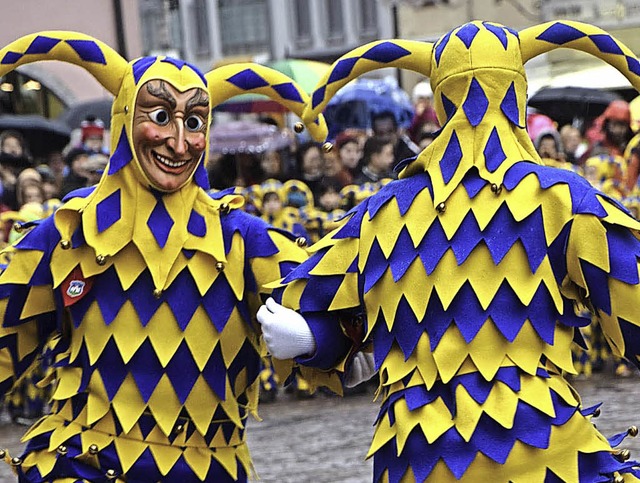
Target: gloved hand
{"type": "Point", "coordinates": [285, 331]}
{"type": "Point", "coordinates": [361, 368]}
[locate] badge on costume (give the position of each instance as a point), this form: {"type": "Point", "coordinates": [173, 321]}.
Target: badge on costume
{"type": "Point", "coordinates": [75, 287]}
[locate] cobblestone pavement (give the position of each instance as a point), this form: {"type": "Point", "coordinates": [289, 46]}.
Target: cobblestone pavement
{"type": "Point", "coordinates": [325, 439]}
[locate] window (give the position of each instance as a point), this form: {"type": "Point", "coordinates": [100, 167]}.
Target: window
{"type": "Point", "coordinates": [201, 27]}
{"type": "Point", "coordinates": [160, 23]}
{"type": "Point", "coordinates": [244, 26]}
{"type": "Point", "coordinates": [368, 19]}
{"type": "Point", "coordinates": [335, 23]}
{"type": "Point", "coordinates": [302, 23]}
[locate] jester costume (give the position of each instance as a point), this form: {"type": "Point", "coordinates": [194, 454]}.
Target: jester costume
{"type": "Point", "coordinates": [147, 297]}
{"type": "Point", "coordinates": [467, 274]}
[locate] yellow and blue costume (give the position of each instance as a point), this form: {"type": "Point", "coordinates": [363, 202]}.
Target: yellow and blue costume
{"type": "Point", "coordinates": [146, 297]}
{"type": "Point", "coordinates": [468, 270]}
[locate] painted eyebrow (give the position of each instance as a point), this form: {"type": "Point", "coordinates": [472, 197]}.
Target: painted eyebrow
{"type": "Point", "coordinates": [162, 93]}
{"type": "Point", "coordinates": [198, 99]}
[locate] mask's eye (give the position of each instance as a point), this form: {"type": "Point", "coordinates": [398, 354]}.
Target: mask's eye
{"type": "Point", "coordinates": [194, 123]}
{"type": "Point", "coordinates": [160, 116]}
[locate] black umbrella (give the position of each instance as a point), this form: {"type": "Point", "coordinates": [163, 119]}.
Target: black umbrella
{"type": "Point", "coordinates": [41, 134]}
{"type": "Point", "coordinates": [564, 104]}
{"type": "Point", "coordinates": [76, 113]}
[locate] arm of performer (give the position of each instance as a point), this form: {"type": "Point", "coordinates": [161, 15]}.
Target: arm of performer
{"type": "Point", "coordinates": [27, 306]}
{"type": "Point", "coordinates": [603, 261]}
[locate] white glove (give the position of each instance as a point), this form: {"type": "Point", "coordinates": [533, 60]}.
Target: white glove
{"type": "Point", "coordinates": [362, 368]}
{"type": "Point", "coordinates": [285, 331]}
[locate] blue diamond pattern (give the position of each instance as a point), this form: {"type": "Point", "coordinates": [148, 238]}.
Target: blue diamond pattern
{"type": "Point", "coordinates": [476, 104]}
{"type": "Point", "coordinates": [606, 44]}
{"type": "Point", "coordinates": [183, 298]}
{"type": "Point", "coordinates": [11, 57]}
{"type": "Point", "coordinates": [196, 225]}
{"type": "Point", "coordinates": [449, 107]}
{"type": "Point", "coordinates": [41, 45]}
{"type": "Point", "coordinates": [451, 158]}
{"type": "Point", "coordinates": [247, 80]}
{"type": "Point", "coordinates": [493, 152]}
{"type": "Point", "coordinates": [509, 105]}
{"type": "Point", "coordinates": [200, 176]}
{"type": "Point", "coordinates": [183, 372]}
{"type": "Point", "coordinates": [633, 64]}
{"type": "Point", "coordinates": [88, 51]}
{"type": "Point", "coordinates": [560, 33]}
{"type": "Point", "coordinates": [385, 52]}
{"type": "Point", "coordinates": [441, 45]}
{"type": "Point", "coordinates": [288, 91]}
{"type": "Point", "coordinates": [146, 370]}
{"type": "Point", "coordinates": [108, 211]}
{"type": "Point", "coordinates": [160, 223]}
{"type": "Point", "coordinates": [342, 69]}
{"type": "Point", "coordinates": [467, 33]}
{"type": "Point", "coordinates": [140, 66]}
{"type": "Point", "coordinates": [498, 32]}
{"type": "Point", "coordinates": [178, 63]}
{"type": "Point", "coordinates": [122, 154]}
{"type": "Point", "coordinates": [318, 96]}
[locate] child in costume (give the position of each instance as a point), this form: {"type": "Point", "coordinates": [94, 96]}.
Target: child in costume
{"type": "Point", "coordinates": [466, 274]}
{"type": "Point", "coordinates": [144, 287]}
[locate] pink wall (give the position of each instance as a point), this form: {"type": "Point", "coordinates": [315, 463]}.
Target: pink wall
{"type": "Point", "coordinates": [93, 17]}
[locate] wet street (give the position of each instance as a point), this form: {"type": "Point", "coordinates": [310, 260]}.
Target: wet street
{"type": "Point", "coordinates": [325, 439]}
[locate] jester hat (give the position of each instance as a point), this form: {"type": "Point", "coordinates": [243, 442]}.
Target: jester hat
{"type": "Point", "coordinates": [479, 84]}
{"type": "Point", "coordinates": [125, 206]}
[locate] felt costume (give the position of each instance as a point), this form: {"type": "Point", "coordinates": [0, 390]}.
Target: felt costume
{"type": "Point", "coordinates": [147, 297]}
{"type": "Point", "coordinates": [466, 273]}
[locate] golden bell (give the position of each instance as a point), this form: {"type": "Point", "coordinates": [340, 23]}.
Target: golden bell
{"type": "Point", "coordinates": [178, 429]}
{"type": "Point", "coordinates": [441, 207]}
{"type": "Point", "coordinates": [3, 453]}
{"type": "Point", "coordinates": [62, 449]}
{"type": "Point", "coordinates": [93, 449]}
{"type": "Point", "coordinates": [157, 293]}
{"type": "Point", "coordinates": [111, 474]}
{"type": "Point", "coordinates": [16, 461]}
{"type": "Point", "coordinates": [596, 413]}
{"type": "Point", "coordinates": [622, 455]}
{"type": "Point", "coordinates": [618, 479]}
{"type": "Point", "coordinates": [327, 147]}
{"type": "Point", "coordinates": [496, 188]}
{"type": "Point", "coordinates": [101, 259]}
{"type": "Point", "coordinates": [301, 241]}
{"type": "Point", "coordinates": [633, 431]}
{"type": "Point", "coordinates": [126, 109]}
{"type": "Point", "coordinates": [219, 266]}
{"type": "Point", "coordinates": [224, 208]}
{"type": "Point", "coordinates": [298, 127]}
{"type": "Point", "coordinates": [65, 244]}
{"type": "Point", "coordinates": [17, 226]}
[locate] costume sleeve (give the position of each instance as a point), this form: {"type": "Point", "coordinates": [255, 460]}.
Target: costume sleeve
{"type": "Point", "coordinates": [603, 263]}
{"type": "Point", "coordinates": [326, 290]}
{"type": "Point", "coordinates": [27, 305]}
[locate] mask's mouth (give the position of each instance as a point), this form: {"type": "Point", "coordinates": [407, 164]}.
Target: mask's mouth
{"type": "Point", "coordinates": [169, 165]}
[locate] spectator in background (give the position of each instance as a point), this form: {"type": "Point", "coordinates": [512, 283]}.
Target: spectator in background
{"type": "Point", "coordinates": [349, 151]}
{"type": "Point", "coordinates": [92, 135]}
{"type": "Point", "coordinates": [94, 167]}
{"type": "Point", "coordinates": [29, 187]}
{"type": "Point", "coordinates": [14, 157]}
{"type": "Point", "coordinates": [77, 176]}
{"type": "Point", "coordinates": [378, 160]}
{"type": "Point", "coordinates": [425, 119]}
{"type": "Point", "coordinates": [271, 165]}
{"type": "Point", "coordinates": [615, 131]}
{"type": "Point", "coordinates": [59, 169]}
{"type": "Point", "coordinates": [425, 139]}
{"type": "Point", "coordinates": [572, 143]}
{"type": "Point", "coordinates": [310, 165]}
{"type": "Point", "coordinates": [49, 185]}
{"type": "Point", "coordinates": [385, 126]}
{"type": "Point", "coordinates": [329, 197]}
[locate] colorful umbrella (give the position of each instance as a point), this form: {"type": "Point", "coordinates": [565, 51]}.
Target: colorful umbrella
{"type": "Point", "coordinates": [247, 137]}
{"type": "Point", "coordinates": [306, 73]}
{"type": "Point", "coordinates": [355, 104]}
